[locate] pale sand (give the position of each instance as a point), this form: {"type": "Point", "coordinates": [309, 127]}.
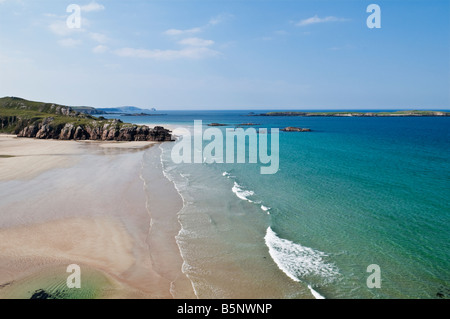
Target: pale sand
{"type": "Point", "coordinates": [31, 157]}
{"type": "Point", "coordinates": [24, 158]}
{"type": "Point", "coordinates": [65, 202]}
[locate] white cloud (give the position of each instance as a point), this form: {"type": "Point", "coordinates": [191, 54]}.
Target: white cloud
{"type": "Point", "coordinates": [100, 49]}
{"type": "Point", "coordinates": [49, 15]}
{"type": "Point", "coordinates": [181, 32]}
{"type": "Point", "coordinates": [220, 18]}
{"type": "Point", "coordinates": [69, 42]}
{"type": "Point", "coordinates": [212, 22]}
{"type": "Point", "coordinates": [92, 7]}
{"type": "Point", "coordinates": [274, 35]}
{"type": "Point", "coordinates": [316, 19]}
{"type": "Point", "coordinates": [98, 37]}
{"type": "Point", "coordinates": [60, 28]}
{"type": "Point", "coordinates": [196, 42]}
{"type": "Point", "coordinates": [187, 53]}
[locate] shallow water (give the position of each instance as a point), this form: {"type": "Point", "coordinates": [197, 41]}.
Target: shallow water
{"type": "Point", "coordinates": [352, 193]}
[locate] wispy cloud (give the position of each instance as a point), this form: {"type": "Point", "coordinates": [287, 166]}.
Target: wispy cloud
{"type": "Point", "coordinates": [220, 18]}
{"type": "Point", "coordinates": [186, 53]}
{"type": "Point", "coordinates": [71, 37]}
{"type": "Point", "coordinates": [274, 35]}
{"type": "Point", "coordinates": [59, 27]}
{"type": "Point", "coordinates": [69, 42]}
{"type": "Point", "coordinates": [98, 37]}
{"type": "Point", "coordinates": [316, 20]}
{"type": "Point", "coordinates": [182, 32]}
{"type": "Point", "coordinates": [100, 49]}
{"type": "Point", "coordinates": [92, 7]}
{"type": "Point", "coordinates": [196, 42]}
{"type": "Point", "coordinates": [194, 47]}
{"type": "Point", "coordinates": [212, 22]}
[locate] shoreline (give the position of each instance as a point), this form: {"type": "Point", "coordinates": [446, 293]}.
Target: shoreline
{"type": "Point", "coordinates": [86, 203]}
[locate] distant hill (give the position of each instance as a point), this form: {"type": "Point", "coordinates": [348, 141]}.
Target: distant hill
{"type": "Point", "coordinates": [125, 109]}
{"type": "Point", "coordinates": [88, 110]}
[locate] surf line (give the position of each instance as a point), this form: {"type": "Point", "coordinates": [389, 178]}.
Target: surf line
{"type": "Point", "coordinates": [234, 139]}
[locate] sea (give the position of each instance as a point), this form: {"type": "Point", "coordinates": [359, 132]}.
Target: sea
{"type": "Point", "coordinates": [359, 208]}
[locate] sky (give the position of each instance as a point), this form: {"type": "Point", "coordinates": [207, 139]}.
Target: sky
{"type": "Point", "coordinates": [227, 54]}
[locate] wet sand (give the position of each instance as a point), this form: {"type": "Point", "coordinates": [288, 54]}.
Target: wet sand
{"type": "Point", "coordinates": [86, 203]}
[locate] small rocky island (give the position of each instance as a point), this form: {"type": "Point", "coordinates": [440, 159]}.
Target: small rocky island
{"type": "Point", "coordinates": [52, 121]}
{"type": "Point", "coordinates": [295, 129]}
{"type": "Point", "coordinates": [217, 124]}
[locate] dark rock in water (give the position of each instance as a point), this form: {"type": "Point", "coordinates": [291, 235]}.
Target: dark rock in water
{"type": "Point", "coordinates": [41, 294]}
{"type": "Point", "coordinates": [248, 124]}
{"type": "Point", "coordinates": [443, 293]}
{"type": "Point", "coordinates": [217, 124]}
{"type": "Point", "coordinates": [295, 129]}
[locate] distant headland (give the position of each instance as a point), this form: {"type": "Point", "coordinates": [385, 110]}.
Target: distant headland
{"type": "Point", "coordinates": [356, 114]}
{"type": "Point", "coordinates": [53, 121]}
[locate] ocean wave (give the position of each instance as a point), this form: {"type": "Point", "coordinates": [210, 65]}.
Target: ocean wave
{"type": "Point", "coordinates": [228, 175]}
{"type": "Point", "coordinates": [301, 264]}
{"type": "Point", "coordinates": [315, 293]}
{"type": "Point", "coordinates": [242, 193]}
{"type": "Point", "coordinates": [265, 208]}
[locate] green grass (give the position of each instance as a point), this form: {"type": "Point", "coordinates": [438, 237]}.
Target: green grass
{"type": "Point", "coordinates": [19, 113]}
{"type": "Point", "coordinates": [21, 104]}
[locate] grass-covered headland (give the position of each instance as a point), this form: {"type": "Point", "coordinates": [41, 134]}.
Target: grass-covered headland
{"type": "Point", "coordinates": [53, 121]}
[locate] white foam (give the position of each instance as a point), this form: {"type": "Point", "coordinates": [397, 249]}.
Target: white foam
{"type": "Point", "coordinates": [185, 266]}
{"type": "Point", "coordinates": [265, 209]}
{"type": "Point", "coordinates": [298, 262]}
{"type": "Point", "coordinates": [241, 193]}
{"type": "Point", "coordinates": [315, 293]}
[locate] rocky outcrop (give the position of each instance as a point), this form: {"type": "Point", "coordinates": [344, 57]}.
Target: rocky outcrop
{"type": "Point", "coordinates": [112, 131]}
{"type": "Point", "coordinates": [7, 121]}
{"type": "Point", "coordinates": [295, 129]}
{"type": "Point", "coordinates": [217, 124]}
{"type": "Point", "coordinates": [53, 121]}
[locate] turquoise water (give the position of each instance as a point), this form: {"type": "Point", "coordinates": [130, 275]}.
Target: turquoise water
{"type": "Point", "coordinates": [354, 192]}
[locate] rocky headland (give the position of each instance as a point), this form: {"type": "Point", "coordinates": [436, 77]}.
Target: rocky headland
{"type": "Point", "coordinates": [52, 121]}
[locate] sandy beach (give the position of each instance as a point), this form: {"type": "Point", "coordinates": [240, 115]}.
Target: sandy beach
{"type": "Point", "coordinates": [86, 203]}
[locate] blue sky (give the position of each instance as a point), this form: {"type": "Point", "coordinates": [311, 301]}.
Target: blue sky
{"type": "Point", "coordinates": [228, 54]}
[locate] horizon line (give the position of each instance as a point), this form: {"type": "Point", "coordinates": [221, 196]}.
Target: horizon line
{"type": "Point", "coordinates": [287, 109]}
